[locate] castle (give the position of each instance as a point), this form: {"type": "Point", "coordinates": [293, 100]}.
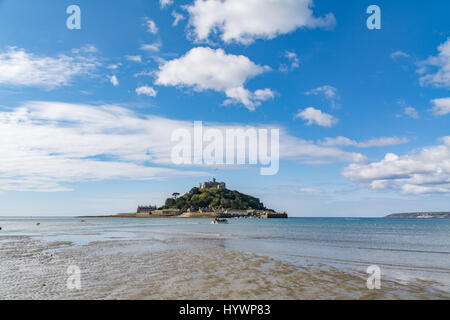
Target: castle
{"type": "Point", "coordinates": [212, 184]}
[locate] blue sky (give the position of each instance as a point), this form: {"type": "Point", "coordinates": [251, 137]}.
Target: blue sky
{"type": "Point", "coordinates": [86, 115]}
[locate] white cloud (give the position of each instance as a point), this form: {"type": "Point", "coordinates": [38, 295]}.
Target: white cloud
{"type": "Point", "coordinates": [154, 47]}
{"type": "Point", "coordinates": [47, 145]}
{"type": "Point", "coordinates": [329, 92]}
{"type": "Point", "coordinates": [20, 68]}
{"type": "Point", "coordinates": [249, 99]}
{"type": "Point", "coordinates": [134, 58]}
{"type": "Point", "coordinates": [292, 56]}
{"type": "Point", "coordinates": [418, 190]}
{"type": "Point", "coordinates": [399, 54]}
{"type": "Point", "coordinates": [307, 152]}
{"type": "Point", "coordinates": [425, 171]}
{"type": "Point", "coordinates": [113, 79]}
{"type": "Point", "coordinates": [376, 142]}
{"type": "Point", "coordinates": [411, 112]}
{"type": "Point", "coordinates": [177, 18]}
{"type": "Point", "coordinates": [315, 116]}
{"type": "Point", "coordinates": [263, 94]}
{"type": "Point", "coordinates": [150, 73]}
{"type": "Point", "coordinates": [208, 69]}
{"type": "Point", "coordinates": [441, 64]}
{"type": "Point", "coordinates": [89, 48]}
{"type": "Point", "coordinates": [114, 66]}
{"type": "Point", "coordinates": [146, 90]}
{"type": "Point", "coordinates": [151, 26]}
{"type": "Point", "coordinates": [165, 3]}
{"type": "Point", "coordinates": [441, 106]}
{"type": "Point", "coordinates": [310, 191]}
{"type": "Point", "coordinates": [293, 60]}
{"type": "Point", "coordinates": [245, 21]}
{"type": "Point", "coordinates": [408, 110]}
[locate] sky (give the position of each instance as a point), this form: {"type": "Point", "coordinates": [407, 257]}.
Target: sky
{"type": "Point", "coordinates": [87, 115]}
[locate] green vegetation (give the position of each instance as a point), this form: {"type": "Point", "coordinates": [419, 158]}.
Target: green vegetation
{"type": "Point", "coordinates": [214, 199]}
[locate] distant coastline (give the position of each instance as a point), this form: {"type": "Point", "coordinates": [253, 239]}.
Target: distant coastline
{"type": "Point", "coordinates": [420, 215]}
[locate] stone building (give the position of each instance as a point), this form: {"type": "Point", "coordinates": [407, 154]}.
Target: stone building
{"type": "Point", "coordinates": [146, 209]}
{"type": "Point", "coordinates": [213, 184]}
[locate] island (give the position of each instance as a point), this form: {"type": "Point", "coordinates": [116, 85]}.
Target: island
{"type": "Point", "coordinates": [210, 199]}
{"type": "Point", "coordinates": [420, 215]}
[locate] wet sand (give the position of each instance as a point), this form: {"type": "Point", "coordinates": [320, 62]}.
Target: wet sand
{"type": "Point", "coordinates": [179, 269]}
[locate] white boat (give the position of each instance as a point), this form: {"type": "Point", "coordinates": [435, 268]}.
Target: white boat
{"type": "Point", "coordinates": [219, 221]}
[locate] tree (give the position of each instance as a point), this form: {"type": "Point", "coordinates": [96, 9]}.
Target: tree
{"type": "Point", "coordinates": [170, 203]}
{"type": "Point", "coordinates": [181, 204]}
{"type": "Point", "coordinates": [194, 190]}
{"type": "Point", "coordinates": [215, 203]}
{"type": "Point", "coordinates": [175, 195]}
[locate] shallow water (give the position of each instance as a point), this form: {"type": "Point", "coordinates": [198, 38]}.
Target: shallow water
{"type": "Point", "coordinates": [180, 258]}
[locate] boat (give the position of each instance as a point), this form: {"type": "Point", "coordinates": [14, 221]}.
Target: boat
{"type": "Point", "coordinates": [219, 221]}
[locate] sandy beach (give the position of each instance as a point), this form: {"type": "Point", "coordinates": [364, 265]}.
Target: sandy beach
{"type": "Point", "coordinates": [197, 268]}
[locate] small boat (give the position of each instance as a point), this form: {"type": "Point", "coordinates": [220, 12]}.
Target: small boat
{"type": "Point", "coordinates": [219, 221]}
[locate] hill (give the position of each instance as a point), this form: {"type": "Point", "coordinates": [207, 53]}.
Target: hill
{"type": "Point", "coordinates": [215, 199]}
